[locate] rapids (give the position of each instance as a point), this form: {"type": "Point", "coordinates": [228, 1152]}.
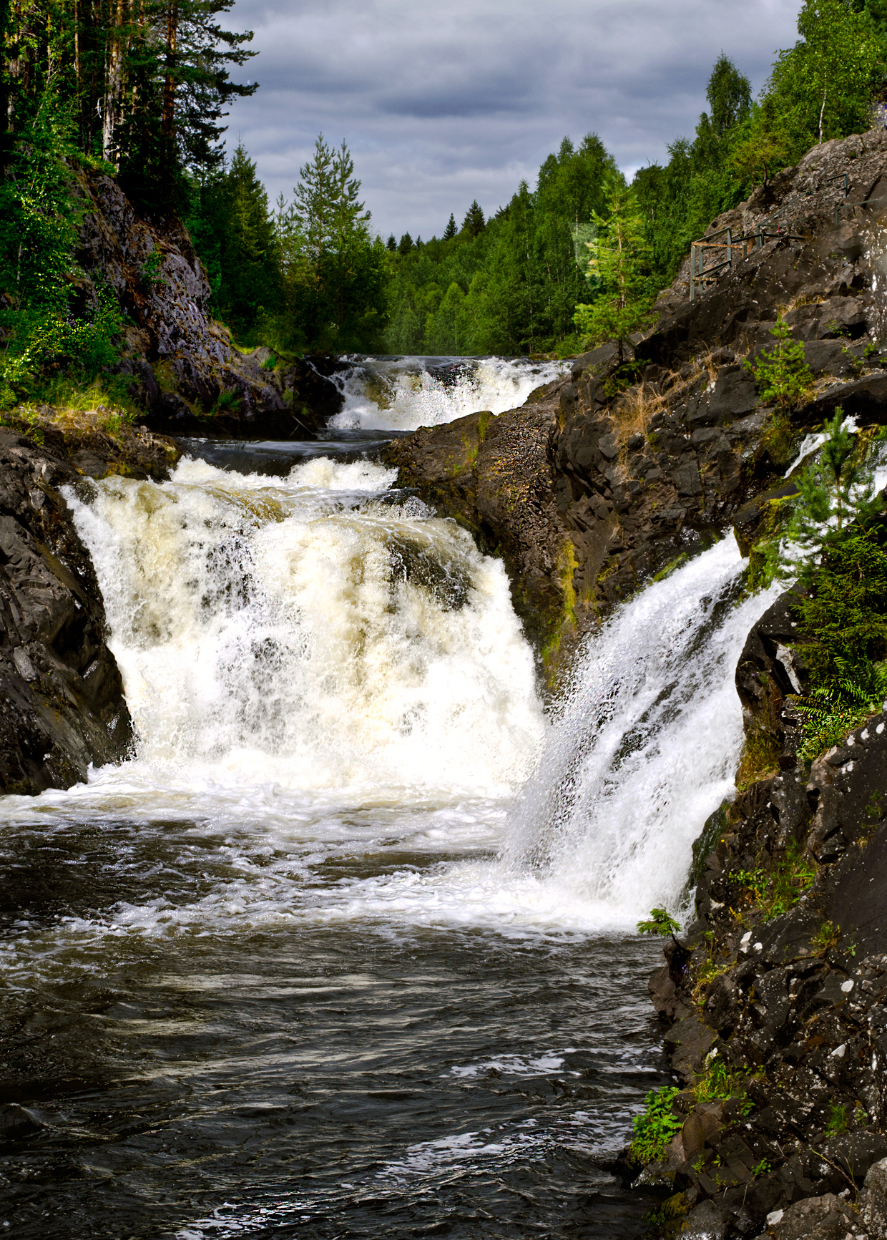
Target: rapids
{"type": "Point", "coordinates": [346, 947]}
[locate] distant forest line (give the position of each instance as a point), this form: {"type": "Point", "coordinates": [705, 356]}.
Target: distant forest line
{"type": "Point", "coordinates": [139, 89]}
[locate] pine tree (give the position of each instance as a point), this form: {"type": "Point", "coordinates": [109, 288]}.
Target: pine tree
{"type": "Point", "coordinates": [618, 265]}
{"type": "Point", "coordinates": [450, 230]}
{"type": "Point", "coordinates": [474, 223]}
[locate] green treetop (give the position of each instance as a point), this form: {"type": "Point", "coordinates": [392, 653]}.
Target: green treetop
{"type": "Point", "coordinates": [474, 222]}
{"type": "Point", "coordinates": [450, 230]}
{"type": "Point", "coordinates": [618, 266]}
{"type": "Point", "coordinates": [823, 85]}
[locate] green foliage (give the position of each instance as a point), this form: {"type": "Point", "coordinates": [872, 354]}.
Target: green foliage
{"type": "Point", "coordinates": [658, 922]}
{"type": "Point", "coordinates": [655, 1127]}
{"type": "Point", "coordinates": [782, 375]}
{"type": "Point", "coordinates": [520, 276]}
{"type": "Point", "coordinates": [619, 270]}
{"type": "Point", "coordinates": [826, 936]}
{"type": "Point", "coordinates": [334, 273]}
{"type": "Point", "coordinates": [53, 320]}
{"type": "Point", "coordinates": [822, 87]}
{"type": "Point", "coordinates": [680, 199]}
{"type": "Point", "coordinates": [838, 1120]}
{"type": "Point", "coordinates": [235, 235]}
{"type": "Point", "coordinates": [835, 547]}
{"type": "Point", "coordinates": [762, 1168]}
{"type": "Point", "coordinates": [720, 1083]}
{"type": "Point", "coordinates": [151, 269]}
{"type": "Point", "coordinates": [777, 887]}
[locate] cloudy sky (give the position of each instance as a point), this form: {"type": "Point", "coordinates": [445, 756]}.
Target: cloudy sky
{"type": "Point", "coordinates": [443, 101]}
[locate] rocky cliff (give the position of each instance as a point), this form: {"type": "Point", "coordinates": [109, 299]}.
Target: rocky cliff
{"type": "Point", "coordinates": [63, 704]}
{"type": "Point", "coordinates": [593, 486]}
{"type": "Point", "coordinates": [187, 373]}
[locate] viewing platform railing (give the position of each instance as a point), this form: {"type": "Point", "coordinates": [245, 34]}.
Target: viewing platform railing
{"type": "Point", "coordinates": [734, 249]}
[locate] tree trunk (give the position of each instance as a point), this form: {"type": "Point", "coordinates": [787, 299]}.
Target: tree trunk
{"type": "Point", "coordinates": [169, 85]}
{"type": "Point", "coordinates": [114, 83]}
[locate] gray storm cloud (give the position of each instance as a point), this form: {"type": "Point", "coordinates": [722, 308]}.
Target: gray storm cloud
{"type": "Point", "coordinates": [443, 103]}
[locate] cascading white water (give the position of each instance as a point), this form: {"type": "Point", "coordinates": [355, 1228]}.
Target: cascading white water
{"type": "Point", "coordinates": [306, 632]}
{"type": "Point", "coordinates": [646, 744]}
{"type": "Point", "coordinates": [404, 393]}
{"type": "Point", "coordinates": [335, 667]}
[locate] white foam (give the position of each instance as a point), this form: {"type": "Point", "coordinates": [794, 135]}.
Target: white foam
{"type": "Point", "coordinates": [646, 745]}
{"type": "Point", "coordinates": [402, 394]}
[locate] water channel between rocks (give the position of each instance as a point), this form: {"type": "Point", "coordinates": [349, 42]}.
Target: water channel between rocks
{"type": "Point", "coordinates": [346, 949]}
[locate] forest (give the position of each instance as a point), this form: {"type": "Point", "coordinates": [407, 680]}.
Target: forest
{"type": "Point", "coordinates": [139, 89]}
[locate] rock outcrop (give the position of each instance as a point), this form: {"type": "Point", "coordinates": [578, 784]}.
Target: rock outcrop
{"type": "Point", "coordinates": [775, 996]}
{"type": "Point", "coordinates": [592, 487]}
{"type": "Point", "coordinates": [185, 369]}
{"type": "Point", "coordinates": [63, 707]}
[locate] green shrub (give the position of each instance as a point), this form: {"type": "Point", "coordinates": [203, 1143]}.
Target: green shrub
{"type": "Point", "coordinates": [659, 922]}
{"type": "Point", "coordinates": [655, 1127]}
{"type": "Point", "coordinates": [782, 375]}
{"type": "Point", "coordinates": [778, 887]}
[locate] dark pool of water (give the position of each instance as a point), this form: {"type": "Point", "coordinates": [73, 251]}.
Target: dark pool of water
{"type": "Point", "coordinates": [354, 1080]}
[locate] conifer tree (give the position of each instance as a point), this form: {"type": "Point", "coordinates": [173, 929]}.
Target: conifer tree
{"type": "Point", "coordinates": [405, 244]}
{"type": "Point", "coordinates": [450, 230]}
{"type": "Point", "coordinates": [474, 223]}
{"type": "Point", "coordinates": [618, 265]}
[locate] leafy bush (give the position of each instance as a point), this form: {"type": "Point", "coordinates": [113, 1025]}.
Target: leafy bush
{"type": "Point", "coordinates": [45, 324]}
{"type": "Point", "coordinates": [659, 922]}
{"type": "Point", "coordinates": [778, 887]}
{"type": "Point", "coordinates": [655, 1126]}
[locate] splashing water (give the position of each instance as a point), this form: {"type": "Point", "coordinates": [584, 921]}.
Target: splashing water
{"type": "Point", "coordinates": [646, 744]}
{"type": "Point", "coordinates": [303, 631]}
{"type": "Point", "coordinates": [402, 394]}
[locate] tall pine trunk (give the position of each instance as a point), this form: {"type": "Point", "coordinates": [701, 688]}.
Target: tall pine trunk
{"type": "Point", "coordinates": [114, 80]}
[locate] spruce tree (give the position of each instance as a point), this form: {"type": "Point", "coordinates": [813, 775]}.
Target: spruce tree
{"type": "Point", "coordinates": [450, 230]}
{"type": "Point", "coordinates": [405, 244]}
{"type": "Point", "coordinates": [474, 223]}
{"type": "Point", "coordinates": [618, 265]}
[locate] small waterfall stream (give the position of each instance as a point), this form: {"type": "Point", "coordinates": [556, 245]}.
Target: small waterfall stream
{"type": "Point", "coordinates": [346, 948]}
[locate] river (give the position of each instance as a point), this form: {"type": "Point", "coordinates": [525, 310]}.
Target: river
{"type": "Point", "coordinates": [346, 947]}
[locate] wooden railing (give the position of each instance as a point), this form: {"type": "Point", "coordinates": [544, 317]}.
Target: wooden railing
{"type": "Point", "coordinates": [734, 248]}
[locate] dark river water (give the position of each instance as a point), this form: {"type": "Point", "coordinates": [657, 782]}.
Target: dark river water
{"type": "Point", "coordinates": [357, 1080]}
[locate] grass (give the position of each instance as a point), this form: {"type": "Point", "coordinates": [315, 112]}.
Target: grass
{"type": "Point", "coordinates": [635, 411]}
{"type": "Point", "coordinates": [778, 888]}
{"type": "Point", "coordinates": [75, 408]}
{"type": "Point", "coordinates": [760, 758]}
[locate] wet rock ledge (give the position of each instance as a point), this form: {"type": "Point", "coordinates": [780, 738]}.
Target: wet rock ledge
{"type": "Point", "coordinates": [62, 707]}
{"type": "Point", "coordinates": [776, 997]}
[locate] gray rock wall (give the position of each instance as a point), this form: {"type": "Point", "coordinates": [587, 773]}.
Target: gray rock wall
{"type": "Point", "coordinates": [61, 695]}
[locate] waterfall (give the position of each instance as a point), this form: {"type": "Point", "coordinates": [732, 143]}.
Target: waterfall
{"type": "Point", "coordinates": [307, 631]}
{"type": "Point", "coordinates": [645, 745]}
{"type": "Point", "coordinates": [401, 394]}
{"type": "Point", "coordinates": [318, 660]}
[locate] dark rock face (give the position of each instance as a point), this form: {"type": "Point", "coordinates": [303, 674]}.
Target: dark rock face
{"type": "Point", "coordinates": [63, 706]}
{"type": "Point", "coordinates": [187, 372]}
{"type": "Point", "coordinates": [789, 996]}
{"type": "Point", "coordinates": [640, 476]}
